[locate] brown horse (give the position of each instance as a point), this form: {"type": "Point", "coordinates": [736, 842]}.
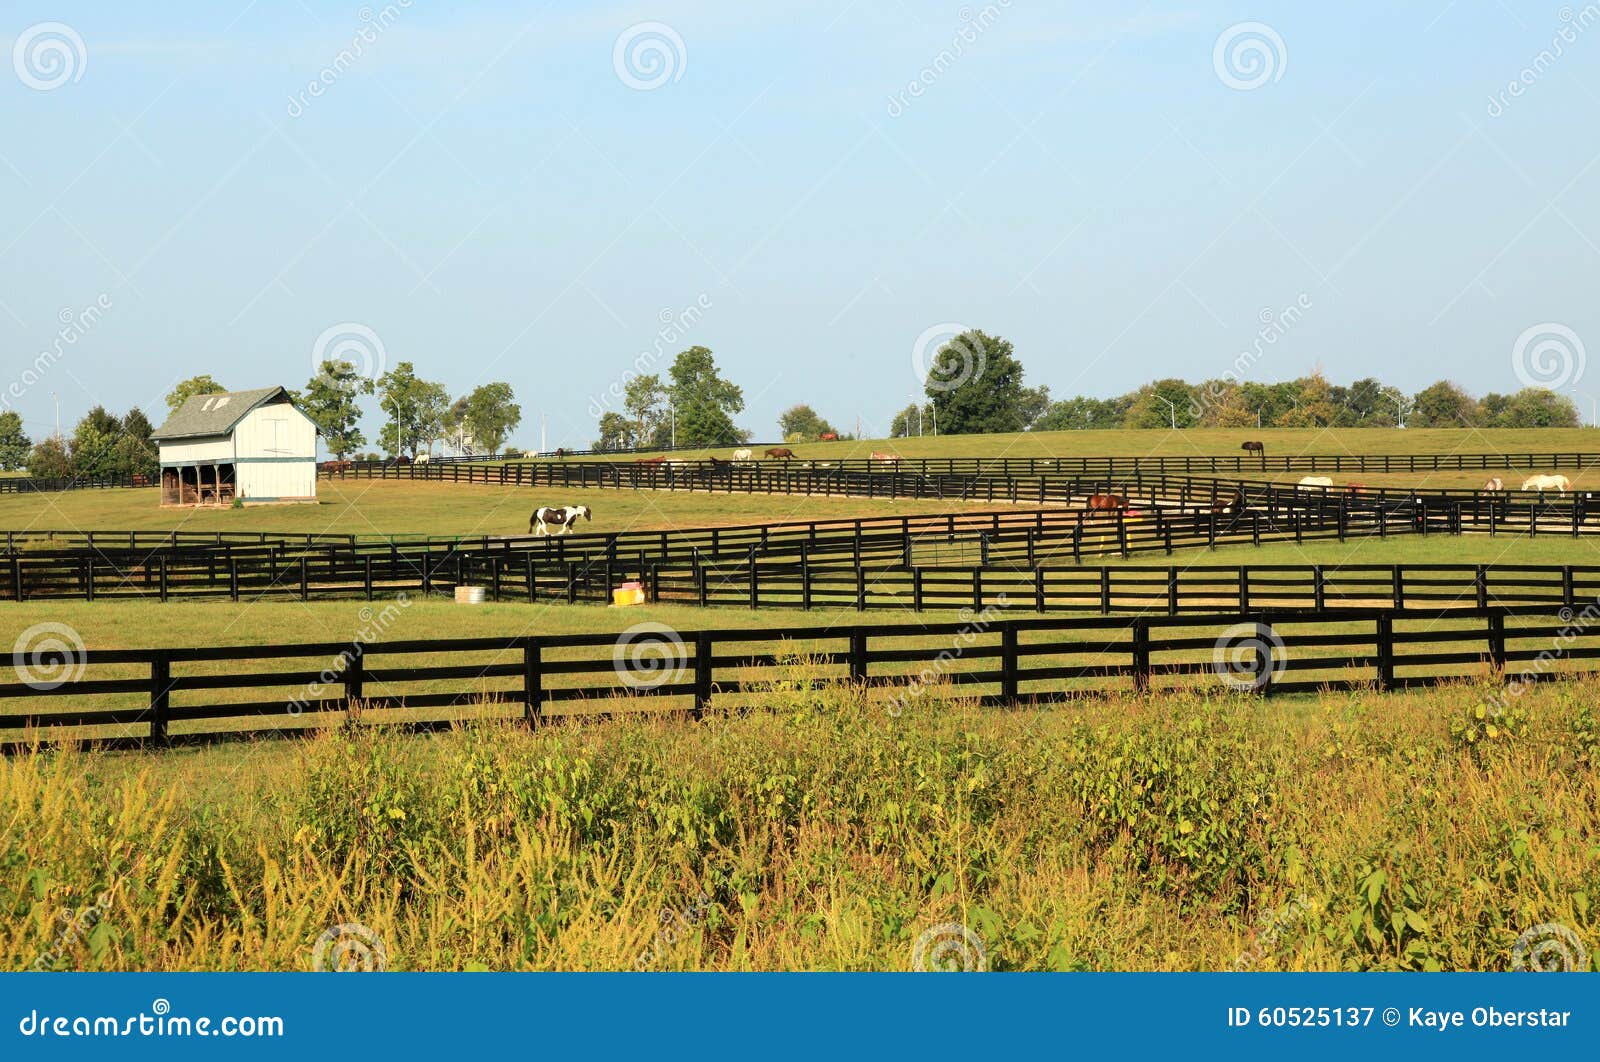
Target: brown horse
{"type": "Point", "coordinates": [1230, 503]}
{"type": "Point", "coordinates": [651, 460]}
{"type": "Point", "coordinates": [562, 453]}
{"type": "Point", "coordinates": [1107, 503]}
{"type": "Point", "coordinates": [1254, 447]}
{"type": "Point", "coordinates": [780, 451]}
{"type": "Point", "coordinates": [828, 436]}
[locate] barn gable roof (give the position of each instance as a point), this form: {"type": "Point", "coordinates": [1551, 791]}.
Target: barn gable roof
{"type": "Point", "coordinates": [216, 414]}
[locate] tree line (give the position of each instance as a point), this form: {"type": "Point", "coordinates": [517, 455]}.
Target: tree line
{"type": "Point", "coordinates": [416, 414]}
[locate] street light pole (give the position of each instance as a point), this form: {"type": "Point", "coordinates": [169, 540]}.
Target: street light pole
{"type": "Point", "coordinates": [58, 413]}
{"type": "Point", "coordinates": [1174, 410]}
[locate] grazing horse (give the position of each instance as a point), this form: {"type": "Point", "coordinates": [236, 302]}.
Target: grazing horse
{"type": "Point", "coordinates": [741, 455]}
{"type": "Point", "coordinates": [651, 460]}
{"type": "Point", "coordinates": [1316, 481]}
{"type": "Point", "coordinates": [1495, 483]}
{"type": "Point", "coordinates": [1254, 447]}
{"type": "Point", "coordinates": [780, 451]}
{"type": "Point", "coordinates": [563, 518]}
{"type": "Point", "coordinates": [888, 459]}
{"type": "Point", "coordinates": [828, 436]}
{"type": "Point", "coordinates": [1107, 503]}
{"type": "Point", "coordinates": [1231, 503]}
{"type": "Point", "coordinates": [1557, 483]}
{"type": "Point", "coordinates": [562, 453]}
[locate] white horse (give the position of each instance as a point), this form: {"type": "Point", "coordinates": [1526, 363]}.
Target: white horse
{"type": "Point", "coordinates": [422, 459]}
{"type": "Point", "coordinates": [741, 455]}
{"type": "Point", "coordinates": [1316, 481]}
{"type": "Point", "coordinates": [563, 518]}
{"type": "Point", "coordinates": [1495, 483]}
{"type": "Point", "coordinates": [1560, 484]}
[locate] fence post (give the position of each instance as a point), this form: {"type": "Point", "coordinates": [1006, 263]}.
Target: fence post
{"type": "Point", "coordinates": [755, 602]}
{"type": "Point", "coordinates": [1244, 588]}
{"type": "Point", "coordinates": [1105, 591]}
{"type": "Point", "coordinates": [1497, 641]}
{"type": "Point", "coordinates": [160, 694]}
{"type": "Point", "coordinates": [16, 578]}
{"type": "Point", "coordinates": [858, 656]}
{"type": "Point", "coordinates": [1008, 664]}
{"type": "Point", "coordinates": [1038, 590]}
{"type": "Point", "coordinates": [916, 589]}
{"type": "Point", "coordinates": [1480, 585]}
{"type": "Point", "coordinates": [1385, 647]}
{"type": "Point", "coordinates": [532, 683]}
{"type": "Point", "coordinates": [1568, 598]}
{"type": "Point", "coordinates": [1172, 591]}
{"type": "Point", "coordinates": [861, 589]}
{"type": "Point", "coordinates": [354, 676]}
{"type": "Point", "coordinates": [88, 578]}
{"type": "Point", "coordinates": [1397, 582]}
{"type": "Point", "coordinates": [162, 575]}
{"type": "Point", "coordinates": [805, 577]}
{"type": "Point", "coordinates": [1141, 655]}
{"type": "Point", "coordinates": [700, 581]}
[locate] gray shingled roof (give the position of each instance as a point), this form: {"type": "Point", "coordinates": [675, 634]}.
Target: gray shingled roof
{"type": "Point", "coordinates": [215, 414]}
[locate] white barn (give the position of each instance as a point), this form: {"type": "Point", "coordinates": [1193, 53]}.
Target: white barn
{"type": "Point", "coordinates": [252, 445]}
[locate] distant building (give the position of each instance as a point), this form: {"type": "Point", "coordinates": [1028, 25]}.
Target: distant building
{"type": "Point", "coordinates": [252, 445]}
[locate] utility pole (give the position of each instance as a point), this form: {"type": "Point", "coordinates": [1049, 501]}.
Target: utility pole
{"type": "Point", "coordinates": [542, 448]}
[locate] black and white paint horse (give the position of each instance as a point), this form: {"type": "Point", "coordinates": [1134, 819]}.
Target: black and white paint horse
{"type": "Point", "coordinates": [563, 518]}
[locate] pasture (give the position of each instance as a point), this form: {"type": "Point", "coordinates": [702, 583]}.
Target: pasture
{"type": "Point", "coordinates": [1161, 831]}
{"type": "Point", "coordinates": [1187, 832]}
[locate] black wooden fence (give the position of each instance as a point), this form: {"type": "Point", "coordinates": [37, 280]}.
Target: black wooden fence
{"type": "Point", "coordinates": [196, 695]}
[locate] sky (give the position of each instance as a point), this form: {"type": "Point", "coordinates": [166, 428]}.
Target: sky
{"type": "Point", "coordinates": [551, 195]}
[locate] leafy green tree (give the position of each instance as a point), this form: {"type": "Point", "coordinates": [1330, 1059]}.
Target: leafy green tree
{"type": "Point", "coordinates": [421, 406]}
{"type": "Point", "coordinates": [915, 419]}
{"type": "Point", "coordinates": [644, 399]}
{"type": "Point", "coordinates": [330, 401]}
{"type": "Point", "coordinates": [1151, 408]}
{"type": "Point", "coordinates": [1532, 407]}
{"type": "Point", "coordinates": [801, 422]}
{"type": "Point", "coordinates": [49, 459]}
{"type": "Point", "coordinates": [975, 384]}
{"type": "Point", "coordinates": [14, 442]}
{"type": "Point", "coordinates": [1084, 413]}
{"type": "Point", "coordinates": [137, 426]}
{"type": "Point", "coordinates": [490, 416]}
{"type": "Point", "coordinates": [187, 389]}
{"type": "Point", "coordinates": [93, 443]}
{"type": "Point", "coordinates": [1443, 405]}
{"type": "Point", "coordinates": [616, 432]}
{"type": "Point", "coordinates": [703, 402]}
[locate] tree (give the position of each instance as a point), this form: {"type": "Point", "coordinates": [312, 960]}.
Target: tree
{"type": "Point", "coordinates": [704, 403]}
{"type": "Point", "coordinates": [330, 401]}
{"type": "Point", "coordinates": [14, 442]}
{"type": "Point", "coordinates": [1316, 408]}
{"type": "Point", "coordinates": [1083, 413]}
{"type": "Point", "coordinates": [915, 419]}
{"type": "Point", "coordinates": [1532, 407]}
{"type": "Point", "coordinates": [975, 382]}
{"type": "Point", "coordinates": [137, 426]}
{"type": "Point", "coordinates": [1443, 405]}
{"type": "Point", "coordinates": [93, 443]}
{"type": "Point", "coordinates": [1164, 404]}
{"type": "Point", "coordinates": [419, 407]}
{"type": "Point", "coordinates": [490, 415]}
{"type": "Point", "coordinates": [49, 459]}
{"type": "Point", "coordinates": [616, 432]}
{"type": "Point", "coordinates": [799, 423]}
{"type": "Point", "coordinates": [645, 400]}
{"type": "Point", "coordinates": [187, 389]}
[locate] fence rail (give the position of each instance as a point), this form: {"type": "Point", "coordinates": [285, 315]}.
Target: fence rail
{"type": "Point", "coordinates": [182, 695]}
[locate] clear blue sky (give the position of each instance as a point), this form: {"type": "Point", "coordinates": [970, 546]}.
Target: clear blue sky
{"type": "Point", "coordinates": [483, 191]}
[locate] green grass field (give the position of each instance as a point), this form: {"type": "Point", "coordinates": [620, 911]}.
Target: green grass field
{"type": "Point", "coordinates": [1172, 833]}
{"type": "Point", "coordinates": [1198, 442]}
{"type": "Point", "coordinates": [403, 507]}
